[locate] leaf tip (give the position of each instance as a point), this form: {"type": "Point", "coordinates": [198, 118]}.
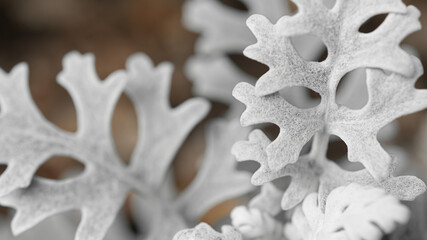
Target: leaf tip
{"type": "Point", "coordinates": [137, 61]}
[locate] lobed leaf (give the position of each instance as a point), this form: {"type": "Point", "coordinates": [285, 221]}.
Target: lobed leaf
{"type": "Point", "coordinates": [254, 224]}
{"type": "Point", "coordinates": [348, 49]}
{"type": "Point", "coordinates": [166, 128]}
{"type": "Point", "coordinates": [268, 200]}
{"type": "Point", "coordinates": [217, 178]}
{"type": "Point", "coordinates": [99, 192]}
{"type": "Point", "coordinates": [223, 28]}
{"type": "Point", "coordinates": [357, 128]}
{"type": "Point", "coordinates": [214, 77]}
{"type": "Point", "coordinates": [222, 31]}
{"type": "Point", "coordinates": [314, 174]}
{"type": "Point", "coordinates": [204, 232]}
{"type": "Point", "coordinates": [352, 212]}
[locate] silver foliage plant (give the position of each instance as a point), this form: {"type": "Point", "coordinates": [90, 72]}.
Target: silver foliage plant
{"type": "Point", "coordinates": [323, 200]}
{"type": "Point", "coordinates": [223, 31]}
{"type": "Point", "coordinates": [27, 140]}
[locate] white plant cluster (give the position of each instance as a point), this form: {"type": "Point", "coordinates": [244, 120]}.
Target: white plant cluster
{"type": "Point", "coordinates": [323, 201]}
{"type": "Point", "coordinates": [223, 31]}
{"type": "Point", "coordinates": [27, 140]}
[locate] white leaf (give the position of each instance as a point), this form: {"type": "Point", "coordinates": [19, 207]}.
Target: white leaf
{"type": "Point", "coordinates": [27, 140]}
{"type": "Point", "coordinates": [214, 77]}
{"type": "Point", "coordinates": [204, 232]}
{"type": "Point", "coordinates": [390, 96]}
{"type": "Point", "coordinates": [223, 28]}
{"type": "Point", "coordinates": [256, 224]}
{"type": "Point", "coordinates": [348, 49]}
{"type": "Point", "coordinates": [321, 175]}
{"type": "Point", "coordinates": [216, 181]}
{"type": "Point", "coordinates": [58, 227]}
{"type": "Point", "coordinates": [352, 212]}
{"type": "Point", "coordinates": [217, 178]}
{"type": "Point", "coordinates": [268, 200]}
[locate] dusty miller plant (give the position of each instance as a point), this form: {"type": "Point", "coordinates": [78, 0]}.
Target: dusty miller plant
{"type": "Point", "coordinates": [323, 200]}
{"type": "Point", "coordinates": [27, 140]}
{"type": "Point", "coordinates": [223, 31]}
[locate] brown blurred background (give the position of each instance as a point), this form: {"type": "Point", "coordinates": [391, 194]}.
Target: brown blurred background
{"type": "Point", "coordinates": [40, 32]}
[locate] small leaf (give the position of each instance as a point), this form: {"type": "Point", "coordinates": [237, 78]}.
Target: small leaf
{"type": "Point", "coordinates": [204, 232]}
{"type": "Point", "coordinates": [256, 224]}
{"type": "Point", "coordinates": [315, 174]}
{"type": "Point", "coordinates": [223, 28]}
{"type": "Point", "coordinates": [217, 179]}
{"type": "Point", "coordinates": [268, 200]}
{"type": "Point", "coordinates": [27, 140]}
{"type": "Point", "coordinates": [352, 212]}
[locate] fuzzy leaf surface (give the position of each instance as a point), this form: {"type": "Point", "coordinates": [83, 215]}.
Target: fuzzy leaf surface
{"type": "Point", "coordinates": [255, 224]}
{"type": "Point", "coordinates": [352, 212]}
{"type": "Point", "coordinates": [348, 49]}
{"type": "Point", "coordinates": [268, 200]}
{"type": "Point", "coordinates": [316, 175]}
{"type": "Point", "coordinates": [217, 178]}
{"type": "Point", "coordinates": [216, 181]}
{"type": "Point", "coordinates": [223, 28]}
{"type": "Point", "coordinates": [99, 192]}
{"type": "Point", "coordinates": [223, 31]}
{"type": "Point", "coordinates": [204, 232]}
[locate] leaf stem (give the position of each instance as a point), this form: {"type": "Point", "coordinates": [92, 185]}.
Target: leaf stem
{"type": "Point", "coordinates": [319, 146]}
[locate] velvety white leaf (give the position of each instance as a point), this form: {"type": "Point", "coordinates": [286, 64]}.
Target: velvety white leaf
{"type": "Point", "coordinates": [415, 228]}
{"type": "Point", "coordinates": [58, 227]}
{"type": "Point", "coordinates": [217, 179]}
{"type": "Point", "coordinates": [352, 212]}
{"type": "Point", "coordinates": [255, 224]}
{"type": "Point", "coordinates": [268, 200]}
{"type": "Point", "coordinates": [223, 28]}
{"type": "Point", "coordinates": [223, 31]}
{"type": "Point", "coordinates": [214, 77]}
{"type": "Point", "coordinates": [165, 127]}
{"type": "Point", "coordinates": [156, 219]}
{"type": "Point", "coordinates": [348, 49]}
{"type": "Point", "coordinates": [357, 128]}
{"type": "Point", "coordinates": [27, 140]}
{"type": "Point", "coordinates": [315, 174]}
{"type": "Point", "coordinates": [204, 232]}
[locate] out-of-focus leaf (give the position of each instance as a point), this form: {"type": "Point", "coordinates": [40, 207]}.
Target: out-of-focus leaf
{"type": "Point", "coordinates": [352, 212]}
{"type": "Point", "coordinates": [204, 232]}
{"type": "Point", "coordinates": [255, 224]}
{"type": "Point", "coordinates": [217, 178]}
{"type": "Point", "coordinates": [27, 140]}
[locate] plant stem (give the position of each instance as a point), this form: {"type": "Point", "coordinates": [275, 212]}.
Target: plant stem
{"type": "Point", "coordinates": [319, 146]}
